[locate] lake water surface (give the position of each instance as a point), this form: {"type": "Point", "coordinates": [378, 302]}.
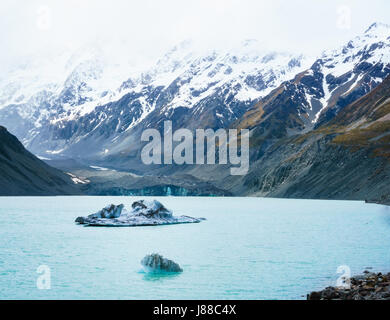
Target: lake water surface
{"type": "Point", "coordinates": [249, 248]}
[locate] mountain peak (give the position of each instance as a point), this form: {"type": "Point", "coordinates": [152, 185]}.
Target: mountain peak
{"type": "Point", "coordinates": [378, 27]}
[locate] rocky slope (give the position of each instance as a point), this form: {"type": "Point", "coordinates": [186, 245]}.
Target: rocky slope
{"type": "Point", "coordinates": [347, 158]}
{"type": "Point", "coordinates": [24, 174]}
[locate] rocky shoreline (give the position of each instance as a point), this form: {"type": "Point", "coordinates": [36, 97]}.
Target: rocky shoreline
{"type": "Point", "coordinates": [382, 202]}
{"type": "Point", "coordinates": [384, 199]}
{"type": "Point", "coordinates": [369, 286]}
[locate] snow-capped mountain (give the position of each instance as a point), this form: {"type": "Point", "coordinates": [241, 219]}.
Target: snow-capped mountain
{"type": "Point", "coordinates": [354, 70]}
{"type": "Point", "coordinates": [42, 90]}
{"type": "Point", "coordinates": [85, 105]}
{"type": "Point", "coordinates": [83, 100]}
{"type": "Point", "coordinates": [336, 79]}
{"type": "Point", "coordinates": [71, 77]}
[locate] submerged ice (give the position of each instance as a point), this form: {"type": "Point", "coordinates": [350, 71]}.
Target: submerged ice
{"type": "Point", "coordinates": [142, 213]}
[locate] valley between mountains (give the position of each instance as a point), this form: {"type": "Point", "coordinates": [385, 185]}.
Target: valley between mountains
{"type": "Point", "coordinates": [319, 127]}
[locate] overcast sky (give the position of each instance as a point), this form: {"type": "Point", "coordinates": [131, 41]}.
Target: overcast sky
{"type": "Point", "coordinates": [149, 27]}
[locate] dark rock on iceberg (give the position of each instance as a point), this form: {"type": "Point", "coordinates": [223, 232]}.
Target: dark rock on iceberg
{"type": "Point", "coordinates": [152, 209]}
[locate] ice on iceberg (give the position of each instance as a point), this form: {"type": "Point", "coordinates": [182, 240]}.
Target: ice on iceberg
{"type": "Point", "coordinates": [143, 213]}
{"type": "Point", "coordinates": [157, 263]}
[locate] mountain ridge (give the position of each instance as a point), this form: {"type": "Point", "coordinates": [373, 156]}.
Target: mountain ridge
{"type": "Point", "coordinates": [24, 174]}
{"type": "Point", "coordinates": [219, 85]}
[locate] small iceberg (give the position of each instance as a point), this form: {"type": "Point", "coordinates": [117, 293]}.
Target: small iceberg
{"type": "Point", "coordinates": [156, 263]}
{"type": "Point", "coordinates": [142, 213]}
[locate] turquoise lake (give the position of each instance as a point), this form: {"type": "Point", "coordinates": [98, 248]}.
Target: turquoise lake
{"type": "Point", "coordinates": [249, 248]}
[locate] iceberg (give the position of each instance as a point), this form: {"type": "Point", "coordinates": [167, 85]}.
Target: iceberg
{"type": "Point", "coordinates": [157, 263]}
{"type": "Point", "coordinates": [142, 213]}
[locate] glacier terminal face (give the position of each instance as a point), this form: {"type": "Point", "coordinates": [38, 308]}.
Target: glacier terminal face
{"type": "Point", "coordinates": [143, 213]}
